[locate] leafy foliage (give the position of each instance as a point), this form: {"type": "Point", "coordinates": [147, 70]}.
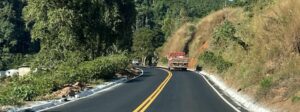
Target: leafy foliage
{"type": "Point", "coordinates": [164, 60]}
{"type": "Point", "coordinates": [265, 86]}
{"type": "Point", "coordinates": [210, 59]}
{"type": "Point", "coordinates": [79, 30]}
{"type": "Point", "coordinates": [44, 82]}
{"type": "Point", "coordinates": [225, 33]}
{"type": "Point", "coordinates": [84, 30]}
{"type": "Point", "coordinates": [266, 83]}
{"type": "Point", "coordinates": [296, 99]}
{"type": "Point", "coordinates": [26, 92]}
{"type": "Point", "coordinates": [77, 40]}
{"type": "Point", "coordinates": [168, 15]}
{"type": "Point", "coordinates": [14, 39]}
{"type": "Point", "coordinates": [145, 42]}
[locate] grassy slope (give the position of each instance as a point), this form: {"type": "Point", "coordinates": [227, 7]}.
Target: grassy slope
{"type": "Point", "coordinates": [269, 71]}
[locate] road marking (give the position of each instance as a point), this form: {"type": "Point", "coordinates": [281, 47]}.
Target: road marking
{"type": "Point", "coordinates": [146, 103]}
{"type": "Point", "coordinates": [221, 96]}
{"type": "Point", "coordinates": [91, 95]}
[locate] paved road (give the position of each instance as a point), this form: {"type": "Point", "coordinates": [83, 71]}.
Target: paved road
{"type": "Point", "coordinates": [172, 92]}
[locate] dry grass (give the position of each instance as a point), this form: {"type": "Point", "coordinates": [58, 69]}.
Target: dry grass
{"type": "Point", "coordinates": [178, 40]}
{"type": "Point", "coordinates": [206, 27]}
{"type": "Point", "coordinates": [201, 37]}
{"type": "Point", "coordinates": [273, 34]}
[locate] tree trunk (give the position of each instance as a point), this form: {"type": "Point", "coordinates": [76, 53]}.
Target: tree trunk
{"type": "Point", "coordinates": [144, 60]}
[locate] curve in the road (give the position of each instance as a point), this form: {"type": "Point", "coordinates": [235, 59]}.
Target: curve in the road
{"type": "Point", "coordinates": [224, 99]}
{"type": "Point", "coordinates": [153, 96]}
{"type": "Point", "coordinates": [124, 98]}
{"type": "Point", "coordinates": [188, 92]}
{"type": "Point", "coordinates": [156, 91]}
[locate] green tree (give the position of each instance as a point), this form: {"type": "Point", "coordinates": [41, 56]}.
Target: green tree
{"type": "Point", "coordinates": [14, 40]}
{"type": "Point", "coordinates": [79, 30]}
{"type": "Point", "coordinates": [145, 42]}
{"type": "Point", "coordinates": [168, 15]}
{"type": "Point", "coordinates": [225, 33]}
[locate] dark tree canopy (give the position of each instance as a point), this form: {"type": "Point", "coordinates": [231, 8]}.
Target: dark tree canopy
{"type": "Point", "coordinates": [59, 31]}
{"type": "Point", "coordinates": [168, 15]}
{"type": "Point", "coordinates": [145, 41]}
{"type": "Point", "coordinates": [79, 30]}
{"type": "Point", "coordinates": [14, 39]}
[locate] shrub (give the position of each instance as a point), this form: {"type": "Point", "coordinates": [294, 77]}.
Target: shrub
{"type": "Point", "coordinates": [164, 60]}
{"type": "Point", "coordinates": [225, 33]}
{"type": "Point", "coordinates": [103, 67]}
{"type": "Point", "coordinates": [8, 100]}
{"type": "Point", "coordinates": [210, 59]}
{"type": "Point", "coordinates": [24, 92]}
{"type": "Point", "coordinates": [27, 88]}
{"type": "Point", "coordinates": [295, 99]}
{"type": "Point", "coordinates": [265, 85]}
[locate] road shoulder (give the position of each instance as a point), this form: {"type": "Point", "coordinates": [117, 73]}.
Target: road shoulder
{"type": "Point", "coordinates": [240, 101]}
{"type": "Point", "coordinates": [45, 105]}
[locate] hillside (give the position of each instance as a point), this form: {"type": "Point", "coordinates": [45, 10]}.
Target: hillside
{"type": "Point", "coordinates": [256, 51]}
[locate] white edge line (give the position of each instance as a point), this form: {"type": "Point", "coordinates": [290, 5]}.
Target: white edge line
{"type": "Point", "coordinates": [232, 106]}
{"type": "Point", "coordinates": [113, 85]}
{"type": "Point", "coordinates": [67, 102]}
{"type": "Point", "coordinates": [224, 99]}
{"type": "Point", "coordinates": [119, 83]}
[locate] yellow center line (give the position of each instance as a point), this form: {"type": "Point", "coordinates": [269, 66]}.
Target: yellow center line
{"type": "Point", "coordinates": [153, 96]}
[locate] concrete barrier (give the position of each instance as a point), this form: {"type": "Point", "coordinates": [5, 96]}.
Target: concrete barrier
{"type": "Point", "coordinates": [24, 71]}
{"type": "Point", "coordinates": [11, 72]}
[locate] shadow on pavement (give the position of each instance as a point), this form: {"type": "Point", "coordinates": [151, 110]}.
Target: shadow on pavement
{"type": "Point", "coordinates": [139, 79]}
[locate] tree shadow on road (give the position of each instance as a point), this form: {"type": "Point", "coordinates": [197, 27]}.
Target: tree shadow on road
{"type": "Point", "coordinates": [139, 79]}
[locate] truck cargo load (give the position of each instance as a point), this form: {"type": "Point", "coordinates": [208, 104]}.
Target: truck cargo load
{"type": "Point", "coordinates": [177, 61]}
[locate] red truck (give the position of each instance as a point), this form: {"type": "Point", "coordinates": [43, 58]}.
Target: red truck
{"type": "Point", "coordinates": [177, 61]}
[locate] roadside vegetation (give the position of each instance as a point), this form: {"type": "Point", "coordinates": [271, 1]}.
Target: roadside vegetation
{"type": "Point", "coordinates": [210, 59]}
{"type": "Point", "coordinates": [63, 42]}
{"type": "Point", "coordinates": [74, 41]}
{"type": "Point", "coordinates": [16, 90]}
{"type": "Point", "coordinates": [253, 46]}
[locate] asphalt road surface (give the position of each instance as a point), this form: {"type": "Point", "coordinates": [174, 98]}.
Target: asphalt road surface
{"type": "Point", "coordinates": [156, 91]}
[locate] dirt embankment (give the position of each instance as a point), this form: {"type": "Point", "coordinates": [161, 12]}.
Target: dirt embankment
{"type": "Point", "coordinates": [72, 89]}
{"type": "Point", "coordinates": [269, 69]}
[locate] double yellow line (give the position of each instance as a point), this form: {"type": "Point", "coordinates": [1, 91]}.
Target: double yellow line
{"type": "Point", "coordinates": [153, 96]}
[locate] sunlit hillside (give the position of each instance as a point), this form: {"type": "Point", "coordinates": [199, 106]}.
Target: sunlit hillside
{"type": "Point", "coordinates": [254, 50]}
